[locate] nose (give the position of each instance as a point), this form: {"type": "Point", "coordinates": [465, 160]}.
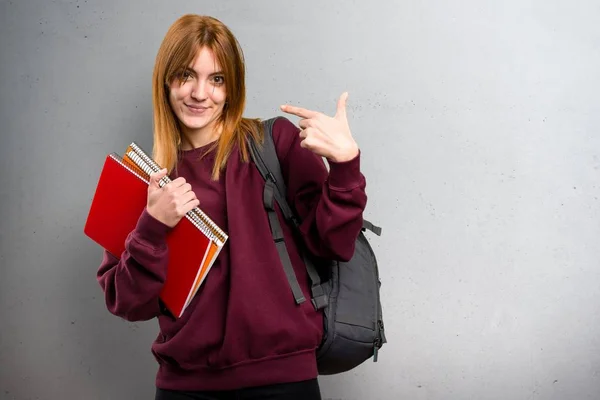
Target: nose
{"type": "Point", "coordinates": [199, 90]}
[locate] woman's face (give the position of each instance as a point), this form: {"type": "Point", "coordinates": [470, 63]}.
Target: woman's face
{"type": "Point", "coordinates": [199, 100]}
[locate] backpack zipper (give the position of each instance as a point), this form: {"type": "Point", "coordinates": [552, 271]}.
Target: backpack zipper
{"type": "Point", "coordinates": [377, 343]}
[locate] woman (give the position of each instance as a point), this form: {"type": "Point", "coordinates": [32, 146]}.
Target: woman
{"type": "Point", "coordinates": [243, 334]}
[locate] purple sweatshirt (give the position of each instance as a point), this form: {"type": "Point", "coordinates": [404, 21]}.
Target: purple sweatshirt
{"type": "Point", "coordinates": [243, 327]}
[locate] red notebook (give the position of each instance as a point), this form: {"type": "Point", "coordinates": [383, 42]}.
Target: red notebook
{"type": "Point", "coordinates": [120, 197]}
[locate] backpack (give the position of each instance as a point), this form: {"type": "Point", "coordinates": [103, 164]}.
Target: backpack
{"type": "Point", "coordinates": [347, 292]}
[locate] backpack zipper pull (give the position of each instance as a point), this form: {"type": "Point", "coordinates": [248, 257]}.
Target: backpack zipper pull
{"type": "Point", "coordinates": [375, 349]}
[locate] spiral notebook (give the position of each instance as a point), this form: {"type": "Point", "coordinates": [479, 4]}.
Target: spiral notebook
{"type": "Point", "coordinates": [120, 198]}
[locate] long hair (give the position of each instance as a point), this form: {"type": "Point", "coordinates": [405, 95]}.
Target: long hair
{"type": "Point", "coordinates": [181, 44]}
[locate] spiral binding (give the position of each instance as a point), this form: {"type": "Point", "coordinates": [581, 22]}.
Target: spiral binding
{"type": "Point", "coordinates": [152, 164]}
{"type": "Point", "coordinates": [196, 216]}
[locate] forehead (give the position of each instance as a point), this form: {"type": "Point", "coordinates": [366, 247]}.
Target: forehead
{"type": "Point", "coordinates": [205, 62]}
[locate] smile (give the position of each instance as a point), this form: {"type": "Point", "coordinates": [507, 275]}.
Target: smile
{"type": "Point", "coordinates": [196, 109]}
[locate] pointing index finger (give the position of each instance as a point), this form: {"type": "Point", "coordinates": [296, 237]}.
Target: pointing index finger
{"type": "Point", "coordinates": [299, 111]}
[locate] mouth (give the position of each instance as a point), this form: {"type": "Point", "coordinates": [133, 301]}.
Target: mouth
{"type": "Point", "coordinates": [196, 108]}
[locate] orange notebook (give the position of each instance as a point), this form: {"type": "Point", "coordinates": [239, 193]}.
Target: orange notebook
{"type": "Point", "coordinates": [120, 197]}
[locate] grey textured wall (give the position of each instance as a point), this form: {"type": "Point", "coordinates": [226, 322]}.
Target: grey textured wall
{"type": "Point", "coordinates": [478, 125]}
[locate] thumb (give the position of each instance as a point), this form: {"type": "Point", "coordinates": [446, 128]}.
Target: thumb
{"type": "Point", "coordinates": [341, 105]}
{"type": "Point", "coordinates": [155, 178]}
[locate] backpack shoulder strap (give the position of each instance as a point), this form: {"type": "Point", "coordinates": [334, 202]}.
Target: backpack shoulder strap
{"type": "Point", "coordinates": [265, 157]}
{"type": "Point", "coordinates": [267, 162]}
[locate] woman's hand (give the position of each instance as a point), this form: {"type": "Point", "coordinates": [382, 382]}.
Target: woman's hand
{"type": "Point", "coordinates": [171, 202]}
{"type": "Point", "coordinates": [326, 136]}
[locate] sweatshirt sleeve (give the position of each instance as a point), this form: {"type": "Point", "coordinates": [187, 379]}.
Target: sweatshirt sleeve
{"type": "Point", "coordinates": [132, 283]}
{"type": "Point", "coordinates": [330, 204]}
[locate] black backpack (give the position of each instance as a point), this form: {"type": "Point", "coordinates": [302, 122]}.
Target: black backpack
{"type": "Point", "coordinates": [348, 292]}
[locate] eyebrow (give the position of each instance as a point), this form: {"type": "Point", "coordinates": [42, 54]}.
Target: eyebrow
{"type": "Point", "coordinates": [196, 73]}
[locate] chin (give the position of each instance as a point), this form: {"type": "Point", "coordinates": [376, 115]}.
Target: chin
{"type": "Point", "coordinates": [196, 123]}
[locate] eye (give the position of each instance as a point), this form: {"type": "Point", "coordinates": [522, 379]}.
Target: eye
{"type": "Point", "coordinates": [183, 75]}
{"type": "Point", "coordinates": [218, 79]}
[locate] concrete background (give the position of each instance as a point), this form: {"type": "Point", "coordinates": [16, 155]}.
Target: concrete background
{"type": "Point", "coordinates": [477, 121]}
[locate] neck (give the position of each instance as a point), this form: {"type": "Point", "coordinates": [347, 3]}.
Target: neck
{"type": "Point", "coordinates": [192, 139]}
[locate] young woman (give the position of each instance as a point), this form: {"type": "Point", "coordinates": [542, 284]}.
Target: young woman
{"type": "Point", "coordinates": [243, 335]}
